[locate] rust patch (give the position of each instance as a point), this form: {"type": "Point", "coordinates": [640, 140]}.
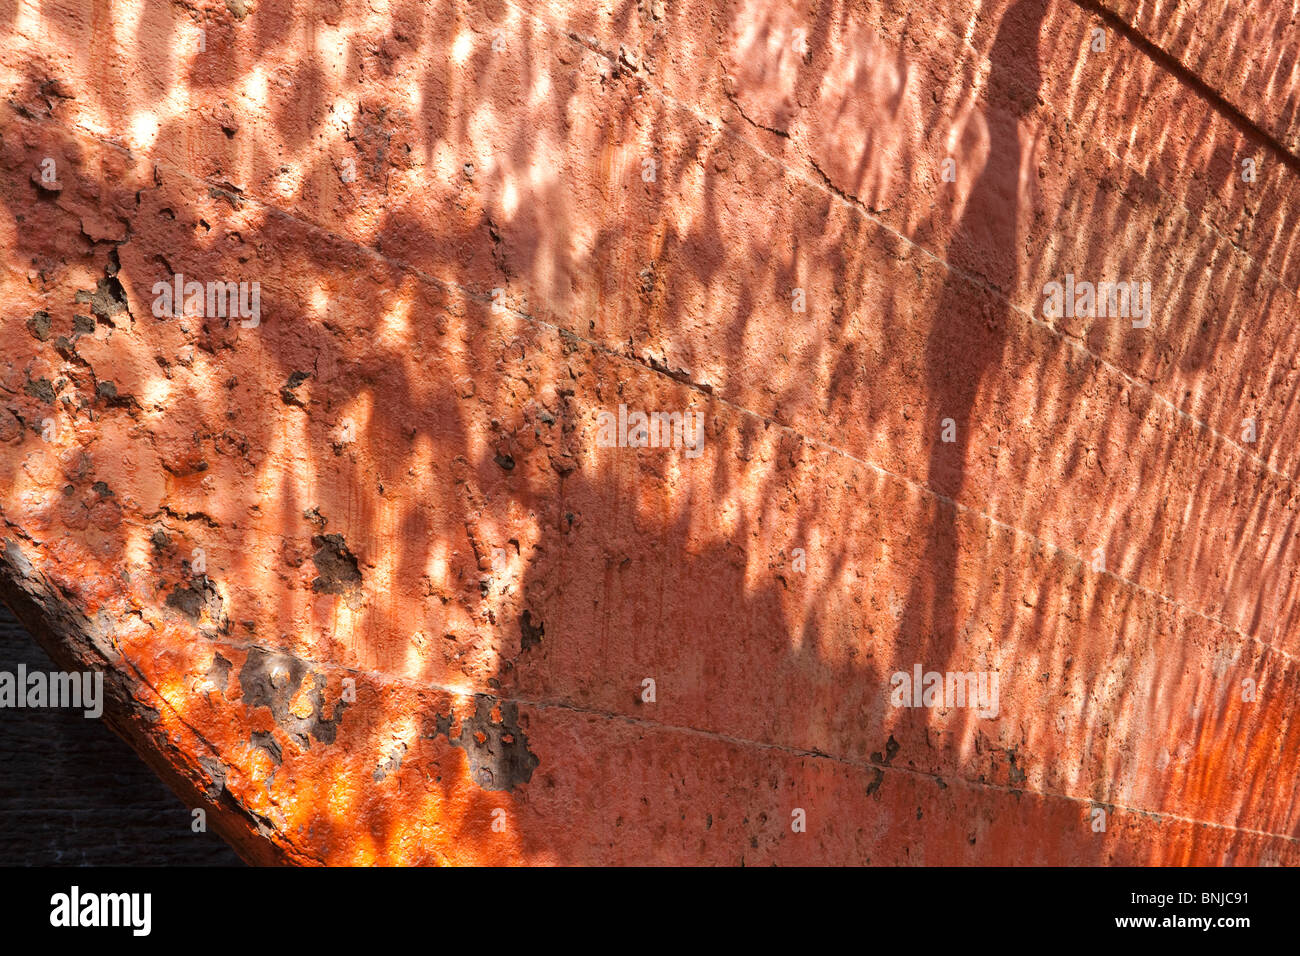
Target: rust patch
{"type": "Point", "coordinates": [274, 681]}
{"type": "Point", "coordinates": [499, 758]}
{"type": "Point", "coordinates": [199, 602]}
{"type": "Point", "coordinates": [336, 566]}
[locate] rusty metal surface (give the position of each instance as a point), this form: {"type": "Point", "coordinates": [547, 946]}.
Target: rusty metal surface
{"type": "Point", "coordinates": [376, 571]}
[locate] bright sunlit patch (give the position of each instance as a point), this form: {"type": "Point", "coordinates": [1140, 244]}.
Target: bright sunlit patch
{"type": "Point", "coordinates": [156, 392]}
{"type": "Point", "coordinates": [138, 550]}
{"type": "Point", "coordinates": [173, 692]}
{"type": "Point", "coordinates": [396, 319]}
{"type": "Point", "coordinates": [255, 88]}
{"type": "Point", "coordinates": [28, 20]}
{"type": "Point", "coordinates": [437, 566]}
{"type": "Point", "coordinates": [477, 444]}
{"type": "Point", "coordinates": [144, 130]}
{"type": "Point", "coordinates": [545, 166]}
{"type": "Point", "coordinates": [541, 91]}
{"type": "Point", "coordinates": [509, 198]}
{"type": "Point", "coordinates": [462, 47]}
{"type": "Point", "coordinates": [343, 113]}
{"type": "Point", "coordinates": [320, 300]}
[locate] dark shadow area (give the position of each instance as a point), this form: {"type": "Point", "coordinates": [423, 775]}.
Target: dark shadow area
{"type": "Point", "coordinates": [970, 322]}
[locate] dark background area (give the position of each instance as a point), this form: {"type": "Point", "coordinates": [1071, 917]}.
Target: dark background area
{"type": "Point", "coordinates": [73, 794]}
